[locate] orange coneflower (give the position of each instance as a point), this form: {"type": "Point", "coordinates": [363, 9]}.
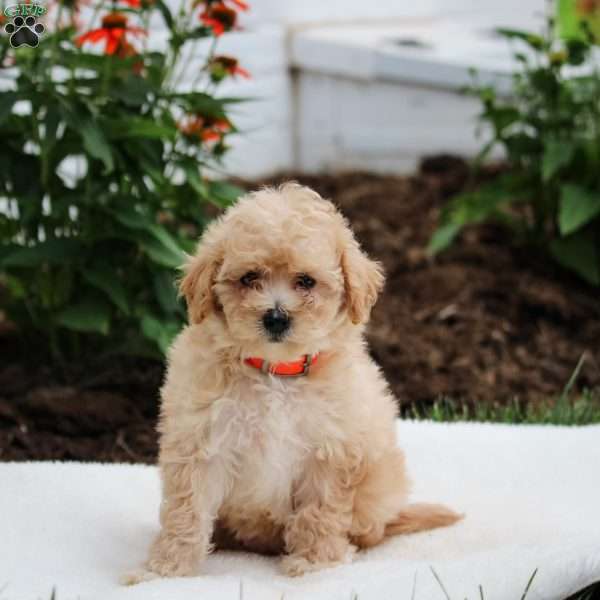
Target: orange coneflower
{"type": "Point", "coordinates": [587, 7]}
{"type": "Point", "coordinates": [222, 66]}
{"type": "Point", "coordinates": [237, 4]}
{"type": "Point", "coordinates": [114, 31]}
{"type": "Point", "coordinates": [207, 129]}
{"type": "Point", "coordinates": [219, 18]}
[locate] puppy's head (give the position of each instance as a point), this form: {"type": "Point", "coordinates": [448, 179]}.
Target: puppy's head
{"type": "Point", "coordinates": [283, 271]}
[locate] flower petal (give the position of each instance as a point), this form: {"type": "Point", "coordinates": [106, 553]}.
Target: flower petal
{"type": "Point", "coordinates": [241, 5]}
{"type": "Point", "coordinates": [93, 36]}
{"type": "Point", "coordinates": [112, 44]}
{"type": "Point", "coordinates": [242, 72]}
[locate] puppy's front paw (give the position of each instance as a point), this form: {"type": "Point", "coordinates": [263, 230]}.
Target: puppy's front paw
{"type": "Point", "coordinates": [183, 565]}
{"type": "Point", "coordinates": [169, 557]}
{"type": "Point", "coordinates": [137, 576]}
{"type": "Point", "coordinates": [294, 565]}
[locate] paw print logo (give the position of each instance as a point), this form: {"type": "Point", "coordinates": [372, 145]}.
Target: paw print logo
{"type": "Point", "coordinates": [24, 32]}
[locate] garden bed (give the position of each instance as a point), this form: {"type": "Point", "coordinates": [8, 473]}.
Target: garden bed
{"type": "Point", "coordinates": [483, 323]}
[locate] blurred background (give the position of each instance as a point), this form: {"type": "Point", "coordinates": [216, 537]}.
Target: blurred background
{"type": "Point", "coordinates": [461, 139]}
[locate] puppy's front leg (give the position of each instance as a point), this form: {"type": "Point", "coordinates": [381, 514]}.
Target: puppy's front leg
{"type": "Point", "coordinates": [316, 534]}
{"type": "Point", "coordinates": [187, 516]}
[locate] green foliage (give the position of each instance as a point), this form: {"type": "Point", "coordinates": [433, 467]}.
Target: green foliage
{"type": "Point", "coordinates": [549, 130]}
{"type": "Point", "coordinates": [102, 185]}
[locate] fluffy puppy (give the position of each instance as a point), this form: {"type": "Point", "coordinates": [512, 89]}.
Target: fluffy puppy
{"type": "Point", "coordinates": [277, 429]}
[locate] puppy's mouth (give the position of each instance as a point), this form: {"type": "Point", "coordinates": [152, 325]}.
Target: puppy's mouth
{"type": "Point", "coordinates": [276, 338]}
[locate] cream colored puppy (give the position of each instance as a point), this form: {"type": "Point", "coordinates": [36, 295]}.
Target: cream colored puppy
{"type": "Point", "coordinates": [277, 429]}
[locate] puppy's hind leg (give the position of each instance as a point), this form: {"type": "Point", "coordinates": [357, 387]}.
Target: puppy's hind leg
{"type": "Point", "coordinates": [381, 508]}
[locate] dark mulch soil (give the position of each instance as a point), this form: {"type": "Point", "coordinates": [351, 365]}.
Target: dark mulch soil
{"type": "Point", "coordinates": [484, 322]}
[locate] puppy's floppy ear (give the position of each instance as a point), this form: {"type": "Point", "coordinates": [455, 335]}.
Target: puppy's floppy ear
{"type": "Point", "coordinates": [199, 277]}
{"type": "Point", "coordinates": [363, 279]}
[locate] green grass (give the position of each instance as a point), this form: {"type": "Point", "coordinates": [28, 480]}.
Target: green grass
{"type": "Point", "coordinates": [481, 592]}
{"type": "Point", "coordinates": [592, 592]}
{"type": "Point", "coordinates": [567, 409]}
{"type": "Point", "coordinates": [581, 410]}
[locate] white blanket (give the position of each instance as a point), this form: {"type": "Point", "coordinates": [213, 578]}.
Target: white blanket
{"type": "Point", "coordinates": [531, 497]}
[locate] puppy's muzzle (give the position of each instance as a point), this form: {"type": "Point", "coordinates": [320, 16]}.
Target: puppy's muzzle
{"type": "Point", "coordinates": [276, 323]}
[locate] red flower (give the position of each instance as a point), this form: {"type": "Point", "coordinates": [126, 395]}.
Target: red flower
{"type": "Point", "coordinates": [238, 4]}
{"type": "Point", "coordinates": [137, 3]}
{"type": "Point", "coordinates": [223, 66]}
{"type": "Point", "coordinates": [114, 31]}
{"type": "Point", "coordinates": [219, 17]}
{"type": "Point", "coordinates": [207, 129]}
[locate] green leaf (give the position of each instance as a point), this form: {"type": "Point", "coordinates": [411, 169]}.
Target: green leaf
{"type": "Point", "coordinates": [142, 128]}
{"type": "Point", "coordinates": [557, 154]}
{"type": "Point", "coordinates": [224, 194]}
{"type": "Point", "coordinates": [133, 91]}
{"type": "Point", "coordinates": [200, 103]}
{"type": "Point", "coordinates": [481, 204]}
{"type": "Point", "coordinates": [89, 316]}
{"type": "Point", "coordinates": [55, 251]}
{"type": "Point", "coordinates": [161, 332]}
{"type": "Point", "coordinates": [158, 252]}
{"type": "Point", "coordinates": [578, 51]}
{"type": "Point", "coordinates": [443, 237]}
{"type": "Point", "coordinates": [135, 220]}
{"type": "Point", "coordinates": [106, 280]}
{"type": "Point", "coordinates": [534, 41]}
{"type": "Point", "coordinates": [95, 143]}
{"type": "Point", "coordinates": [165, 12]}
{"type": "Point", "coordinates": [154, 239]}
{"type": "Point", "coordinates": [7, 100]}
{"type": "Point", "coordinates": [546, 82]}
{"type": "Point", "coordinates": [166, 291]}
{"type": "Point", "coordinates": [501, 117]}
{"type": "Point", "coordinates": [51, 123]}
{"type": "Point", "coordinates": [578, 206]}
{"type": "Point", "coordinates": [192, 175]}
{"type": "Point", "coordinates": [579, 253]}
{"type": "Point", "coordinates": [521, 145]}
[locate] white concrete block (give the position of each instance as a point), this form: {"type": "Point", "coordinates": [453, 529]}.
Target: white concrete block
{"type": "Point", "coordinates": [379, 125]}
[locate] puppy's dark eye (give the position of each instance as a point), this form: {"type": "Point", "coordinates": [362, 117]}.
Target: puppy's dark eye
{"type": "Point", "coordinates": [305, 281]}
{"type": "Point", "coordinates": [249, 278]}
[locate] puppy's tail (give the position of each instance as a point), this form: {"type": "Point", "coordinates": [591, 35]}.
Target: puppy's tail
{"type": "Point", "coordinates": [419, 517]}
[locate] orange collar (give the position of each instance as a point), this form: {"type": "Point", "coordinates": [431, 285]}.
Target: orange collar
{"type": "Point", "coordinates": [294, 368]}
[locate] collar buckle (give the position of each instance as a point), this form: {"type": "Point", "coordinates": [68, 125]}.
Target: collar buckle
{"type": "Point", "coordinates": [306, 366]}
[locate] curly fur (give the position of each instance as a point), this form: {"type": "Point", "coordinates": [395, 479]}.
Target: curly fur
{"type": "Point", "coordinates": [307, 467]}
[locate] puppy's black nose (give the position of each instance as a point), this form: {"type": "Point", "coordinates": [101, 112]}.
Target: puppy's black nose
{"type": "Point", "coordinates": [276, 321]}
